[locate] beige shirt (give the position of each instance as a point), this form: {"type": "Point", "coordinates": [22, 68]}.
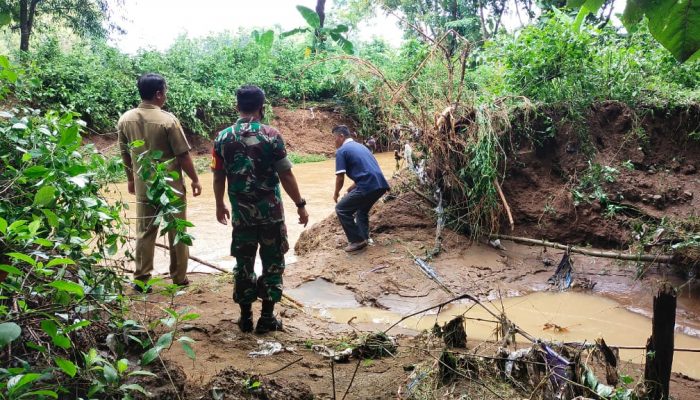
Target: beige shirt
{"type": "Point", "coordinates": [160, 130]}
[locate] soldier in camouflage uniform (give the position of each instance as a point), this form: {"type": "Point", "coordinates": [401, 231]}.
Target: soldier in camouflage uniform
{"type": "Point", "coordinates": [252, 158]}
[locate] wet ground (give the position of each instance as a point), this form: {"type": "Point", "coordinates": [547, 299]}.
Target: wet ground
{"type": "Point", "coordinates": [552, 316]}
{"type": "Point", "coordinates": [212, 240]}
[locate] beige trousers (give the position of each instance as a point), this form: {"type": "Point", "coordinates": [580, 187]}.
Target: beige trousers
{"type": "Point", "coordinates": [146, 235]}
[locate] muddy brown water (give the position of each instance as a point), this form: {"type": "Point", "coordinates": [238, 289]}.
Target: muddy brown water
{"type": "Point", "coordinates": [580, 317]}
{"type": "Point", "coordinates": [212, 240]}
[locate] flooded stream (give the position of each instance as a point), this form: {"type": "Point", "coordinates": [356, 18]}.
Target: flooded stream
{"type": "Point", "coordinates": [579, 318]}
{"type": "Point", "coordinates": [212, 240]}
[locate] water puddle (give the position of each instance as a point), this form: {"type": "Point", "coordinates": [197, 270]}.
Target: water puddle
{"type": "Point", "coordinates": [213, 240]}
{"type": "Point", "coordinates": [563, 317]}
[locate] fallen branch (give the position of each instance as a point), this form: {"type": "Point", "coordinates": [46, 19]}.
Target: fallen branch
{"type": "Point", "coordinates": [663, 258]}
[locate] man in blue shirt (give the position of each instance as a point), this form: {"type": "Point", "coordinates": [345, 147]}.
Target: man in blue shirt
{"type": "Point", "coordinates": [356, 161]}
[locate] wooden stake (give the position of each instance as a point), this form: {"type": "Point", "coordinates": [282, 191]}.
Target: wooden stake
{"type": "Point", "coordinates": [659, 357]}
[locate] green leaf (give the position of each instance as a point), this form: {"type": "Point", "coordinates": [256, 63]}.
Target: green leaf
{"type": "Point", "coordinates": [44, 196]}
{"type": "Point", "coordinates": [51, 217]}
{"type": "Point", "coordinates": [23, 257]}
{"type": "Point", "coordinates": [674, 23]}
{"type": "Point", "coordinates": [18, 381]}
{"type": "Point", "coordinates": [49, 327]}
{"type": "Point", "coordinates": [66, 366]}
{"type": "Point", "coordinates": [61, 341]}
{"type": "Point", "coordinates": [188, 350]}
{"type": "Point", "coordinates": [36, 171]}
{"type": "Point", "coordinates": [310, 16]}
{"type": "Point", "coordinates": [60, 261]}
{"type": "Point", "coordinates": [165, 340]}
{"type": "Point", "coordinates": [134, 388]}
{"type": "Point", "coordinates": [3, 226]}
{"type": "Point", "coordinates": [9, 331]}
{"type": "Point", "coordinates": [588, 7]}
{"type": "Point", "coordinates": [266, 39]}
{"type": "Point", "coordinates": [137, 143]}
{"type": "Point", "coordinates": [340, 29]}
{"type": "Point", "coordinates": [43, 242]}
{"type": "Point", "coordinates": [143, 373]}
{"type": "Point", "coordinates": [69, 136]}
{"type": "Point", "coordinates": [67, 286]}
{"type": "Point", "coordinates": [35, 394]}
{"type": "Point", "coordinates": [150, 355]}
{"type": "Point", "coordinates": [189, 317]}
{"type": "Point", "coordinates": [122, 365]}
{"type": "Point", "coordinates": [293, 32]}
{"type": "Point", "coordinates": [11, 270]}
{"type": "Point", "coordinates": [110, 374]}
{"type": "Point", "coordinates": [5, 18]}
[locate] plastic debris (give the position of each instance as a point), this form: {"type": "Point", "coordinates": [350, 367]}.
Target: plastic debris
{"type": "Point", "coordinates": [339, 357]}
{"type": "Point", "coordinates": [496, 244]}
{"type": "Point", "coordinates": [266, 349]}
{"type": "Point", "coordinates": [563, 276]}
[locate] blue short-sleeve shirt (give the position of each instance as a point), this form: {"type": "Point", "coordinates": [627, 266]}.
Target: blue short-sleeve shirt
{"type": "Point", "coordinates": [356, 161]}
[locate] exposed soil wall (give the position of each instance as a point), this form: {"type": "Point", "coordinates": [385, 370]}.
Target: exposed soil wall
{"type": "Point", "coordinates": [659, 180]}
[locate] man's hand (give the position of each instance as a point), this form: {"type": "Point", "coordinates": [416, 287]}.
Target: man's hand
{"type": "Point", "coordinates": [303, 216]}
{"type": "Point", "coordinates": [335, 197]}
{"type": "Point", "coordinates": [223, 215]}
{"type": "Point", "coordinates": [130, 187]}
{"type": "Point", "coordinates": [196, 188]}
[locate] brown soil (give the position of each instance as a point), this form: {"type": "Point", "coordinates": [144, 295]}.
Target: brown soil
{"type": "Point", "coordinates": [385, 276]}
{"type": "Point", "coordinates": [663, 182]}
{"type": "Point", "coordinates": [305, 131]}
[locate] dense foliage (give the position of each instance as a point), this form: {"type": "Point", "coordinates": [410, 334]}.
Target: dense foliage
{"type": "Point", "coordinates": [202, 75]}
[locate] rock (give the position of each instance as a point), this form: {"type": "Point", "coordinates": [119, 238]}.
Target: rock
{"type": "Point", "coordinates": [656, 198]}
{"type": "Point", "coordinates": [688, 169]}
{"type": "Point", "coordinates": [688, 195]}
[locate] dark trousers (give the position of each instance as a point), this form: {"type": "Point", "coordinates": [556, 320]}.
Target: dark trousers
{"type": "Point", "coordinates": [272, 241]}
{"type": "Point", "coordinates": [353, 213]}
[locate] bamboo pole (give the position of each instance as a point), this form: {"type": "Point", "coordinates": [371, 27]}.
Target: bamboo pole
{"type": "Point", "coordinates": [664, 258]}
{"type": "Point", "coordinates": [505, 204]}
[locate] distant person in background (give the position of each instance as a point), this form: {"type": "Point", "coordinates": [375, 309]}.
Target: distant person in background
{"type": "Point", "coordinates": [371, 144]}
{"type": "Point", "coordinates": [356, 161]}
{"type": "Point", "coordinates": [251, 157]}
{"type": "Point", "coordinates": [160, 131]}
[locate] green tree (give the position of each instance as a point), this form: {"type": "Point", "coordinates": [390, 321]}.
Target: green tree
{"type": "Point", "coordinates": [85, 17]}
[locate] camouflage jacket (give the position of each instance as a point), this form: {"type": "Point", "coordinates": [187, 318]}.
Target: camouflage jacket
{"type": "Point", "coordinates": [251, 154]}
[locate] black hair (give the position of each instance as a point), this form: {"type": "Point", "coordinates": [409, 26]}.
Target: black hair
{"type": "Point", "coordinates": [342, 130]}
{"type": "Point", "coordinates": [149, 84]}
{"type": "Point", "coordinates": [250, 98]}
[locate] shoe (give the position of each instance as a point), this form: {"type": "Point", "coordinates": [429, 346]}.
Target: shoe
{"type": "Point", "coordinates": [268, 324]}
{"type": "Point", "coordinates": [356, 246]}
{"type": "Point", "coordinates": [184, 283]}
{"type": "Point", "coordinates": [245, 324]}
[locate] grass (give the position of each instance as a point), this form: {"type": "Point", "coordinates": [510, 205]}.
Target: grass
{"type": "Point", "coordinates": [301, 158]}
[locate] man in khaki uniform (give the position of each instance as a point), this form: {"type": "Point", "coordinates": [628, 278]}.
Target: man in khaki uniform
{"type": "Point", "coordinates": [160, 131]}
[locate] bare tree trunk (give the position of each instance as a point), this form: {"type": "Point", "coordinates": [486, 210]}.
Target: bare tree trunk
{"type": "Point", "coordinates": [659, 359]}
{"type": "Point", "coordinates": [26, 22]}
{"type": "Point", "coordinates": [24, 29]}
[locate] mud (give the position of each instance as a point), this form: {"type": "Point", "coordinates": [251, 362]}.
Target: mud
{"type": "Point", "coordinates": [212, 240]}
{"type": "Point", "coordinates": [348, 296]}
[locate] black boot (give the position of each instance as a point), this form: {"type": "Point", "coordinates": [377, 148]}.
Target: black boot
{"type": "Point", "coordinates": [267, 321]}
{"type": "Point", "coordinates": [245, 323]}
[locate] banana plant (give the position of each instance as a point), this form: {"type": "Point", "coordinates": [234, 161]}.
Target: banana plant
{"type": "Point", "coordinates": [673, 23]}
{"type": "Point", "coordinates": [321, 33]}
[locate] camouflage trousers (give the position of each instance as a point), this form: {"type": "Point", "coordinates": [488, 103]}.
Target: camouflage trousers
{"type": "Point", "coordinates": [272, 240]}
